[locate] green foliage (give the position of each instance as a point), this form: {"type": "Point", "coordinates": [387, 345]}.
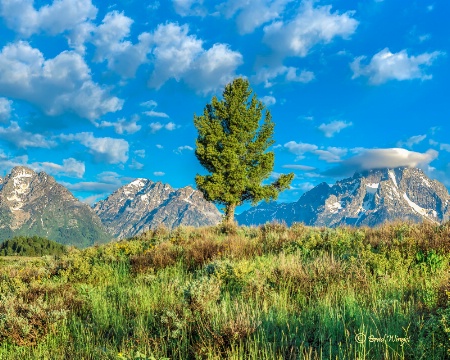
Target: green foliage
{"type": "Point", "coordinates": [31, 246]}
{"type": "Point", "coordinates": [270, 292]}
{"type": "Point", "coordinates": [232, 147]}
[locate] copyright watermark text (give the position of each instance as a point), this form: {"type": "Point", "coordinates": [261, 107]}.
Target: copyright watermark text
{"type": "Point", "coordinates": [361, 338]}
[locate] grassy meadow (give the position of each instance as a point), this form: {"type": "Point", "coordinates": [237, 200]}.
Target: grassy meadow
{"type": "Point", "coordinates": [270, 292]}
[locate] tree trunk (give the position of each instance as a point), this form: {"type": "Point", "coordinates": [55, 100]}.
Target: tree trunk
{"type": "Point", "coordinates": [229, 214]}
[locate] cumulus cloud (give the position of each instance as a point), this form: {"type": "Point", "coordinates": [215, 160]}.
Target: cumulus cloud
{"type": "Point", "coordinates": [179, 56]}
{"type": "Point", "coordinates": [70, 167]}
{"type": "Point", "coordinates": [123, 126]}
{"type": "Point", "coordinates": [331, 154]}
{"type": "Point", "coordinates": [413, 140]}
{"type": "Point", "coordinates": [103, 149]}
{"type": "Point", "coordinates": [189, 7]}
{"type": "Point", "coordinates": [367, 159]}
{"type": "Point", "coordinates": [251, 14]}
{"type": "Point", "coordinates": [58, 17]}
{"type": "Point", "coordinates": [108, 181]}
{"type": "Point", "coordinates": [180, 149]}
{"type": "Point", "coordinates": [122, 55]}
{"type": "Point", "coordinates": [24, 139]}
{"type": "Point", "coordinates": [159, 173]}
{"type": "Point", "coordinates": [5, 109]}
{"type": "Point", "coordinates": [8, 162]}
{"type": "Point", "coordinates": [300, 149]}
{"type": "Point", "coordinates": [445, 147]}
{"type": "Point", "coordinates": [156, 126]}
{"type": "Point", "coordinates": [140, 153]}
{"type": "Point", "coordinates": [153, 113]}
{"type": "Point", "coordinates": [385, 66]}
{"type": "Point", "coordinates": [56, 85]}
{"type": "Point", "coordinates": [333, 127]}
{"type": "Point", "coordinates": [152, 104]}
{"type": "Point", "coordinates": [311, 26]}
{"type": "Point", "coordinates": [135, 165]}
{"type": "Point", "coordinates": [268, 100]}
{"type": "Point", "coordinates": [267, 75]}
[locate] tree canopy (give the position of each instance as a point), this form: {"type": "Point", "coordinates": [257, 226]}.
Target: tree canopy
{"type": "Point", "coordinates": [232, 145]}
{"type": "Point", "coordinates": [31, 246]}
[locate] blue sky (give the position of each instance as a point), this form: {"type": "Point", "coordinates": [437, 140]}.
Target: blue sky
{"type": "Point", "coordinates": [99, 93]}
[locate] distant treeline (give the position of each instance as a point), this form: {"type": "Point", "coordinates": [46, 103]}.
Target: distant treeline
{"type": "Point", "coordinates": [31, 246]}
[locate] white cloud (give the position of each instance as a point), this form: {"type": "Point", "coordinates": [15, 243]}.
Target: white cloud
{"type": "Point", "coordinates": [267, 75]}
{"type": "Point", "coordinates": [156, 126]}
{"type": "Point", "coordinates": [159, 173]}
{"type": "Point", "coordinates": [8, 162]}
{"type": "Point", "coordinates": [24, 139]}
{"type": "Point", "coordinates": [253, 13]}
{"type": "Point", "coordinates": [70, 167]}
{"type": "Point", "coordinates": [153, 113]}
{"type": "Point", "coordinates": [171, 126]}
{"type": "Point", "coordinates": [413, 140]}
{"type": "Point", "coordinates": [445, 147]}
{"type": "Point", "coordinates": [300, 149]}
{"type": "Point", "coordinates": [299, 167]}
{"type": "Point", "coordinates": [333, 127]}
{"type": "Point", "coordinates": [331, 154]}
{"type": "Point", "coordinates": [180, 149]}
{"type": "Point", "coordinates": [104, 149]}
{"type": "Point", "coordinates": [123, 126]}
{"type": "Point", "coordinates": [56, 85]}
{"type": "Point", "coordinates": [108, 181]}
{"type": "Point", "coordinates": [121, 55]}
{"type": "Point", "coordinates": [311, 26]}
{"type": "Point", "coordinates": [60, 16]}
{"type": "Point", "coordinates": [385, 66]}
{"type": "Point", "coordinates": [304, 76]}
{"type": "Point", "coordinates": [159, 146]}
{"type": "Point", "coordinates": [136, 165]}
{"type": "Point", "coordinates": [367, 159]}
{"type": "Point", "coordinates": [179, 56]}
{"type": "Point", "coordinates": [5, 109]}
{"type": "Point", "coordinates": [151, 104]}
{"type": "Point", "coordinates": [189, 7]}
{"type": "Point", "coordinates": [268, 100]}
{"type": "Point", "coordinates": [140, 153]}
{"type": "Point", "coordinates": [213, 69]}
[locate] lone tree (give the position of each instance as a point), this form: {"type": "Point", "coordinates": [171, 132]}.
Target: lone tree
{"type": "Point", "coordinates": [232, 146]}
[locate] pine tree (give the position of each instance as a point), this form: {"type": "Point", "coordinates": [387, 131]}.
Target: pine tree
{"type": "Point", "coordinates": [232, 146]}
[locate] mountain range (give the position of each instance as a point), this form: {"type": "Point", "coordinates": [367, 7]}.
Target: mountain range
{"type": "Point", "coordinates": [35, 204]}
{"type": "Point", "coordinates": [368, 198]}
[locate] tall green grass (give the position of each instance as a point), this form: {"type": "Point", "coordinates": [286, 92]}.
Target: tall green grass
{"type": "Point", "coordinates": [248, 293]}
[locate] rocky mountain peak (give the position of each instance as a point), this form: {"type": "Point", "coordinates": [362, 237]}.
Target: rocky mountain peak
{"type": "Point", "coordinates": [367, 198]}
{"type": "Point", "coordinates": [143, 204]}
{"type": "Point", "coordinates": [35, 204]}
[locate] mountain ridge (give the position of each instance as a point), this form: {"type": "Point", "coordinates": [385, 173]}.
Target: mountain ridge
{"type": "Point", "coordinates": [35, 204]}
{"type": "Point", "coordinates": [143, 204]}
{"type": "Point", "coordinates": [367, 198]}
